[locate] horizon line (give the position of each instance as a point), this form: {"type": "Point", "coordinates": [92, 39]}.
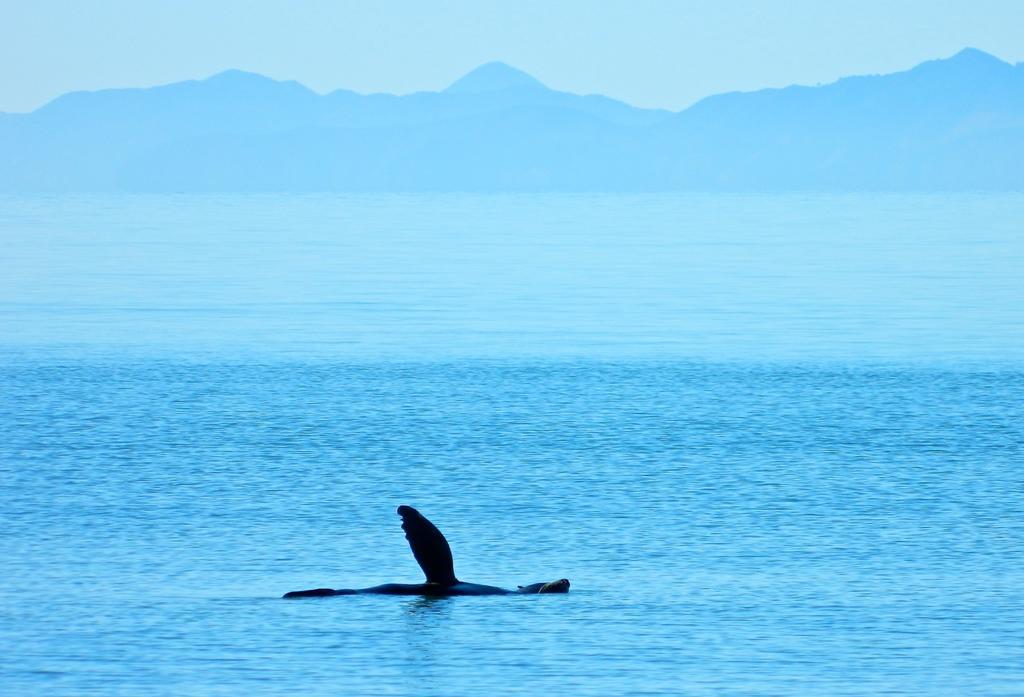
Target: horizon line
{"type": "Point", "coordinates": [225, 71]}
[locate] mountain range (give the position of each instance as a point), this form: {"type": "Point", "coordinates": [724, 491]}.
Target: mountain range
{"type": "Point", "coordinates": [955, 124]}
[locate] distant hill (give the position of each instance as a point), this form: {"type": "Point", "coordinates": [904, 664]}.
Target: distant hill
{"type": "Point", "coordinates": [952, 124]}
{"type": "Point", "coordinates": [494, 77]}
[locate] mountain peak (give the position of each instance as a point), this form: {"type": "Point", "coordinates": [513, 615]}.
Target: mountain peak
{"type": "Point", "coordinates": [238, 82]}
{"type": "Point", "coordinates": [493, 77]}
{"type": "Point", "coordinates": [973, 55]}
{"type": "Point", "coordinates": [233, 76]}
{"type": "Point", "coordinates": [968, 60]}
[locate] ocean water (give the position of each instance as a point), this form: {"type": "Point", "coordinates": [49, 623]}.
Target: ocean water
{"type": "Point", "coordinates": [776, 443]}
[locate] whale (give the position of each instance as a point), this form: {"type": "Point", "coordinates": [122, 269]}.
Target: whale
{"type": "Point", "coordinates": [434, 555]}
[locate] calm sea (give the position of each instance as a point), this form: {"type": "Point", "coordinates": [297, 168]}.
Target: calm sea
{"type": "Point", "coordinates": [776, 443]}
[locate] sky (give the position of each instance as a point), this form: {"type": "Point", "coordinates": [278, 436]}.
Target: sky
{"type": "Point", "coordinates": [650, 53]}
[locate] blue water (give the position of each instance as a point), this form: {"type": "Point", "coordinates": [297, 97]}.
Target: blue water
{"type": "Point", "coordinates": [775, 442]}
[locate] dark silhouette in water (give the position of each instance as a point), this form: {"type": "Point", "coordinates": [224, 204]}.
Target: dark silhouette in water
{"type": "Point", "coordinates": [435, 558]}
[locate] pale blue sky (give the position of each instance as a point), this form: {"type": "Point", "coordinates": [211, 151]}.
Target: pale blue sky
{"type": "Point", "coordinates": [646, 52]}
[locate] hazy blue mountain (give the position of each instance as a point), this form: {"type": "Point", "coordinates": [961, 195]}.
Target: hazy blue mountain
{"type": "Point", "coordinates": [490, 88]}
{"type": "Point", "coordinates": [493, 77]}
{"type": "Point", "coordinates": [946, 124]}
{"type": "Point", "coordinates": [953, 124]}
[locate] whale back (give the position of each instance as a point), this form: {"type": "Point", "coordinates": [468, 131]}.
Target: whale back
{"type": "Point", "coordinates": [428, 546]}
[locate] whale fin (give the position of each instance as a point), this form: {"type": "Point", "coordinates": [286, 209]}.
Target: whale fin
{"type": "Point", "coordinates": [429, 547]}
